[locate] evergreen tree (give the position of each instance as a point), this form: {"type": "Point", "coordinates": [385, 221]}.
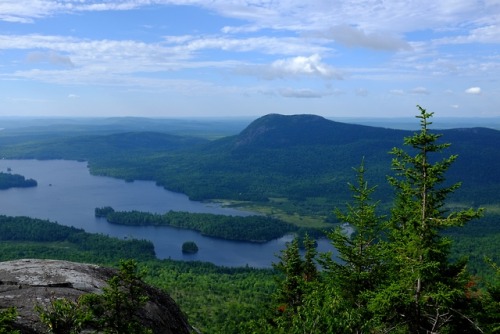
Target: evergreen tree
{"type": "Point", "coordinates": [488, 308]}
{"type": "Point", "coordinates": [309, 266]}
{"type": "Point", "coordinates": [393, 276]}
{"type": "Point", "coordinates": [290, 290]}
{"type": "Point", "coordinates": [359, 270]}
{"type": "Point", "coordinates": [298, 280]}
{"type": "Point", "coordinates": [116, 310]}
{"type": "Point", "coordinates": [425, 294]}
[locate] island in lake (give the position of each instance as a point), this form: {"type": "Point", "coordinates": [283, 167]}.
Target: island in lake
{"type": "Point", "coordinates": [8, 180]}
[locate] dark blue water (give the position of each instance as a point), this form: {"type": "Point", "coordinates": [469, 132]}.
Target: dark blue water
{"type": "Point", "coordinates": [68, 194]}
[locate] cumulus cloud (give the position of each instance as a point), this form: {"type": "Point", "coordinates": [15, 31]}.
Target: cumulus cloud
{"type": "Point", "coordinates": [265, 42]}
{"type": "Point", "coordinates": [355, 37]}
{"type": "Point", "coordinates": [473, 90]}
{"type": "Point", "coordinates": [302, 66]}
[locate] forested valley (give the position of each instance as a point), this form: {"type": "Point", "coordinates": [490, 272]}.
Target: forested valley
{"type": "Point", "coordinates": [423, 256]}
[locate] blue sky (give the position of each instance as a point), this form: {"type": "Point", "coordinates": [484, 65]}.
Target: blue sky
{"type": "Point", "coordinates": [190, 58]}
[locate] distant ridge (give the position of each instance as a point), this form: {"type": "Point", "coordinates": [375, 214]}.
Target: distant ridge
{"type": "Point", "coordinates": [277, 131]}
{"type": "Point", "coordinates": [303, 158]}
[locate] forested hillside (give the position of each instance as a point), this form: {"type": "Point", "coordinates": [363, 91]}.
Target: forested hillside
{"type": "Point", "coordinates": [396, 273]}
{"type": "Point", "coordinates": [292, 164]}
{"type": "Point", "coordinates": [409, 277]}
{"type": "Point", "coordinates": [216, 299]}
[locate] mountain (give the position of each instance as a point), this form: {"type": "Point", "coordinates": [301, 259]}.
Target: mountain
{"type": "Point", "coordinates": [274, 130]}
{"type": "Point", "coordinates": [305, 156]}
{"type": "Point", "coordinates": [306, 160]}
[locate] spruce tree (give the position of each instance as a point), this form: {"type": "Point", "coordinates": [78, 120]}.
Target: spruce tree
{"type": "Point", "coordinates": [425, 293]}
{"type": "Point", "coordinates": [291, 287]}
{"type": "Point", "coordinates": [359, 270]}
{"type": "Point", "coordinates": [298, 280]}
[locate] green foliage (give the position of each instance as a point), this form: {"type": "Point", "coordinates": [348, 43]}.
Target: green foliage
{"type": "Point", "coordinates": [475, 242]}
{"type": "Point", "coordinates": [305, 159]}
{"type": "Point", "coordinates": [7, 317]}
{"type": "Point", "coordinates": [416, 239]}
{"type": "Point", "coordinates": [104, 212]}
{"type": "Point", "coordinates": [298, 276]}
{"type": "Point", "coordinates": [64, 316]}
{"type": "Point", "coordinates": [248, 228]}
{"type": "Point", "coordinates": [425, 291]}
{"type": "Point", "coordinates": [116, 310]}
{"type": "Point", "coordinates": [23, 237]}
{"type": "Point", "coordinates": [489, 310]}
{"type": "Point", "coordinates": [8, 180]}
{"type": "Point", "coordinates": [393, 277]}
{"type": "Point", "coordinates": [361, 268]}
{"type": "Point", "coordinates": [189, 247]}
{"type": "Point", "coordinates": [113, 311]}
{"type": "Point", "coordinates": [336, 301]}
{"type": "Point", "coordinates": [215, 299]}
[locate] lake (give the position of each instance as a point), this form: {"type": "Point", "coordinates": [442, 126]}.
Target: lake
{"type": "Point", "coordinates": [68, 194]}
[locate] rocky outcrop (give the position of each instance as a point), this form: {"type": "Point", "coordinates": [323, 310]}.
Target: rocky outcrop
{"type": "Point", "coordinates": [27, 283]}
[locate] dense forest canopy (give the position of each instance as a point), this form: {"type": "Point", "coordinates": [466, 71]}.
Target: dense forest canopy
{"type": "Point", "coordinates": [242, 228]}
{"type": "Point", "coordinates": [417, 280]}
{"type": "Point", "coordinates": [396, 275]}
{"type": "Point", "coordinates": [216, 299]}
{"type": "Point", "coordinates": [292, 164]}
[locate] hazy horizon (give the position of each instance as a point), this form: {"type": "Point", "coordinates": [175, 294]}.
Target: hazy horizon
{"type": "Point", "coordinates": [237, 123]}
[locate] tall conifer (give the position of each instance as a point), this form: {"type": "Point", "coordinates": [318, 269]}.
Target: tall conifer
{"type": "Point", "coordinates": [359, 270]}
{"type": "Point", "coordinates": [425, 292]}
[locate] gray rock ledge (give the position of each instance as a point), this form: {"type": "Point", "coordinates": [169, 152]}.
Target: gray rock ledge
{"type": "Point", "coordinates": [29, 282]}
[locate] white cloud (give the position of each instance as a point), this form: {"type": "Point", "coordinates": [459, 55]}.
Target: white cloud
{"type": "Point", "coordinates": [300, 66]}
{"type": "Point", "coordinates": [97, 59]}
{"type": "Point", "coordinates": [372, 17]}
{"type": "Point", "coordinates": [294, 67]}
{"type": "Point", "coordinates": [279, 39]}
{"type": "Point", "coordinates": [473, 90]}
{"type": "Point", "coordinates": [485, 34]}
{"type": "Point", "coordinates": [300, 93]}
{"type": "Point", "coordinates": [267, 45]}
{"type": "Point", "coordinates": [355, 37]}
{"type": "Point", "coordinates": [397, 92]}
{"type": "Point", "coordinates": [420, 90]}
{"type": "Point", "coordinates": [50, 57]}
